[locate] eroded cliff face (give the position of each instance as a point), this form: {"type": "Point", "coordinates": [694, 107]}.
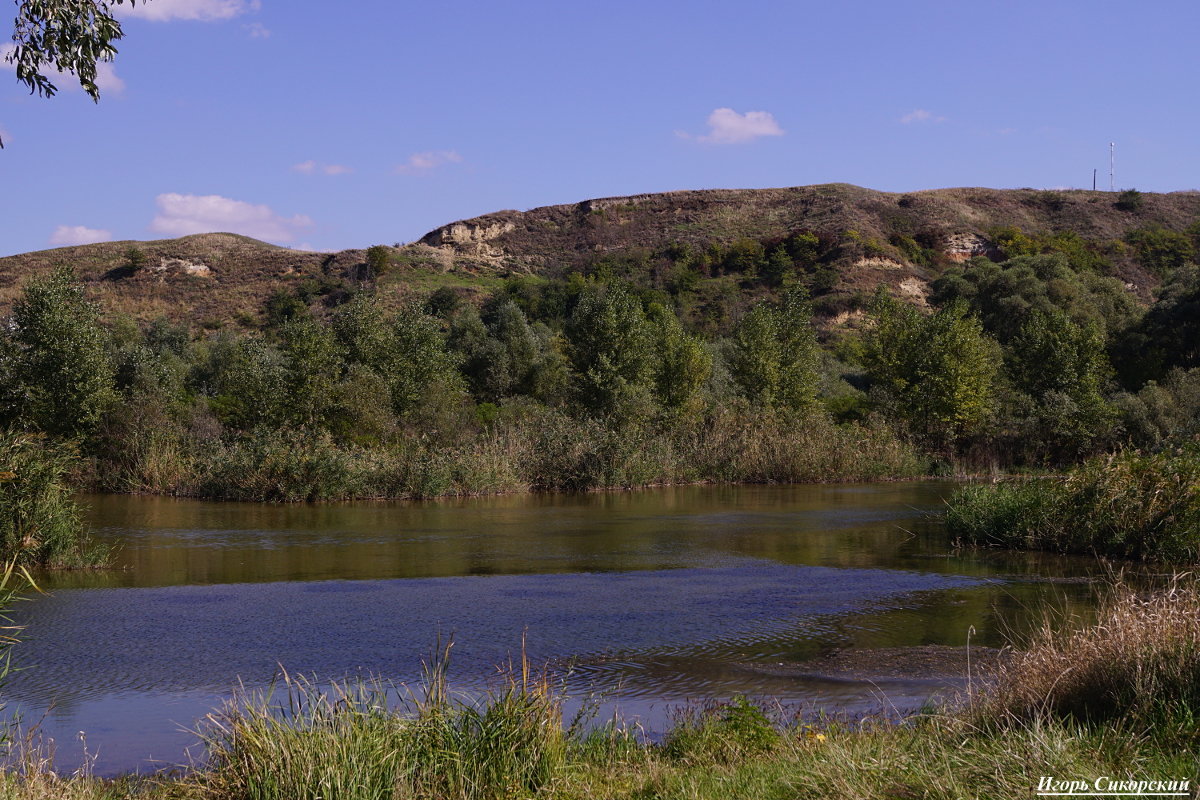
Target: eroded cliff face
{"type": "Point", "coordinates": [965, 246]}
{"type": "Point", "coordinates": [472, 238]}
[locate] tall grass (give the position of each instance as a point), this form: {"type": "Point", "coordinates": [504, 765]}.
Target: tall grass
{"type": "Point", "coordinates": [40, 523]}
{"type": "Point", "coordinates": [1137, 667]}
{"type": "Point", "coordinates": [1127, 505]}
{"type": "Point", "coordinates": [348, 741]}
{"type": "Point", "coordinates": [536, 449]}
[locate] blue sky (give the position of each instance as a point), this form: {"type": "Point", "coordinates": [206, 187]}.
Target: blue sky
{"type": "Point", "coordinates": [332, 125]}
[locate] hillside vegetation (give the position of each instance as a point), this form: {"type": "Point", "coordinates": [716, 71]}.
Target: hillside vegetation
{"type": "Point", "coordinates": [813, 334]}
{"type": "Point", "coordinates": [701, 241]}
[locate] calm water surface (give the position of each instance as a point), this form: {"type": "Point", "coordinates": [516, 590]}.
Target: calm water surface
{"type": "Point", "coordinates": [656, 596]}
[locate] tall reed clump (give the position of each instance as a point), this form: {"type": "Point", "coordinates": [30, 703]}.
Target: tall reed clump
{"type": "Point", "coordinates": [772, 447]}
{"type": "Point", "coordinates": [1137, 667]}
{"type": "Point", "coordinates": [361, 741]}
{"type": "Point", "coordinates": [40, 523]}
{"type": "Point", "coordinates": [1127, 505]}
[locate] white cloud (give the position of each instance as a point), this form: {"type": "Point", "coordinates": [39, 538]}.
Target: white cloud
{"type": "Point", "coordinates": [311, 167]}
{"type": "Point", "coordinates": [430, 159]}
{"type": "Point", "coordinates": [257, 30]}
{"type": "Point", "coordinates": [726, 126]}
{"type": "Point", "coordinates": [184, 214]}
{"type": "Point", "coordinates": [920, 115]}
{"type": "Point", "coordinates": [201, 10]}
{"type": "Point", "coordinates": [106, 79]}
{"type": "Point", "coordinates": [65, 235]}
{"type": "Point", "coordinates": [106, 74]}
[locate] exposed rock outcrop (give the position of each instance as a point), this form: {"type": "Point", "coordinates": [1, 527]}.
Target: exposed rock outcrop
{"type": "Point", "coordinates": [182, 266]}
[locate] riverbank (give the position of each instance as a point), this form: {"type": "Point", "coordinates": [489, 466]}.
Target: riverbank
{"type": "Point", "coordinates": [538, 449]}
{"type": "Point", "coordinates": [1144, 507]}
{"type": "Point", "coordinates": [1109, 700]}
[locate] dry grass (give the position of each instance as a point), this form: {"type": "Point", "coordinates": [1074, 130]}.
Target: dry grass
{"type": "Point", "coordinates": [549, 240]}
{"type": "Point", "coordinates": [1138, 667]}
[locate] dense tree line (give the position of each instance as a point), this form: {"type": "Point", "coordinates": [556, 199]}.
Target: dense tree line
{"type": "Point", "coordinates": [1033, 359]}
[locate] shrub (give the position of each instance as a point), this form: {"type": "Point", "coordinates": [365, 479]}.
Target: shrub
{"type": "Point", "coordinates": [135, 260]}
{"type": "Point", "coordinates": [379, 260]}
{"type": "Point", "coordinates": [720, 732]}
{"type": "Point", "coordinates": [1130, 200]}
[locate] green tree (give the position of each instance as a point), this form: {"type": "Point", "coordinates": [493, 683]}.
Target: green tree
{"type": "Point", "coordinates": [683, 363]}
{"type": "Point", "coordinates": [746, 256]}
{"type": "Point", "coordinates": [1130, 200]}
{"type": "Point", "coordinates": [60, 361]}
{"type": "Point", "coordinates": [245, 379]}
{"type": "Point", "coordinates": [363, 333]}
{"type": "Point", "coordinates": [135, 260]}
{"type": "Point", "coordinates": [1004, 295]}
{"type": "Point", "coordinates": [407, 351]}
{"type": "Point", "coordinates": [1061, 366]}
{"type": "Point", "coordinates": [1167, 336]}
{"type": "Point", "coordinates": [774, 359]}
{"type": "Point", "coordinates": [443, 302]}
{"type": "Point", "coordinates": [1161, 251]}
{"type": "Point", "coordinates": [313, 366]}
{"type": "Point", "coordinates": [518, 355]}
{"type": "Point", "coordinates": [419, 362]}
{"type": "Point", "coordinates": [778, 267]}
{"type": "Point", "coordinates": [609, 346]}
{"type": "Point", "coordinates": [936, 372]}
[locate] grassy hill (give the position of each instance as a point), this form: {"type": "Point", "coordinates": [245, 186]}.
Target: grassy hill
{"type": "Point", "coordinates": [869, 238]}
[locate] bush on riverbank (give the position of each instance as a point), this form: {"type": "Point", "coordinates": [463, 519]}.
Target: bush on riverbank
{"type": "Point", "coordinates": [1127, 505]}
{"type": "Point", "coordinates": [40, 523]}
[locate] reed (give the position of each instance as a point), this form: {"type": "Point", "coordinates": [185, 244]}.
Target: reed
{"type": "Point", "coordinates": [364, 741]}
{"type": "Point", "coordinates": [1126, 505]}
{"type": "Point", "coordinates": [40, 522]}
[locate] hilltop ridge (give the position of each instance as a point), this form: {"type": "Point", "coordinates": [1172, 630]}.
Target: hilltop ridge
{"type": "Point", "coordinates": [898, 239]}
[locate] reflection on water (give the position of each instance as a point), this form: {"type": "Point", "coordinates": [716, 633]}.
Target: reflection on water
{"type": "Point", "coordinates": [652, 596]}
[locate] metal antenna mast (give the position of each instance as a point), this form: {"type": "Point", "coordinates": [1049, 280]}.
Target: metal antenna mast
{"type": "Point", "coordinates": [1112, 156]}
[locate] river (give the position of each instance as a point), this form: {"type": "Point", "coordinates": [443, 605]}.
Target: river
{"type": "Point", "coordinates": [654, 598]}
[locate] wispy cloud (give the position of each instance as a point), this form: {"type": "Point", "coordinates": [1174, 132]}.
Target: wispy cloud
{"type": "Point", "coordinates": [919, 115]}
{"type": "Point", "coordinates": [106, 74]}
{"type": "Point", "coordinates": [184, 214]}
{"type": "Point", "coordinates": [726, 126]}
{"type": "Point", "coordinates": [200, 10]}
{"type": "Point", "coordinates": [257, 30]}
{"type": "Point", "coordinates": [312, 167]}
{"type": "Point", "coordinates": [428, 160]}
{"type": "Point", "coordinates": [66, 235]}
